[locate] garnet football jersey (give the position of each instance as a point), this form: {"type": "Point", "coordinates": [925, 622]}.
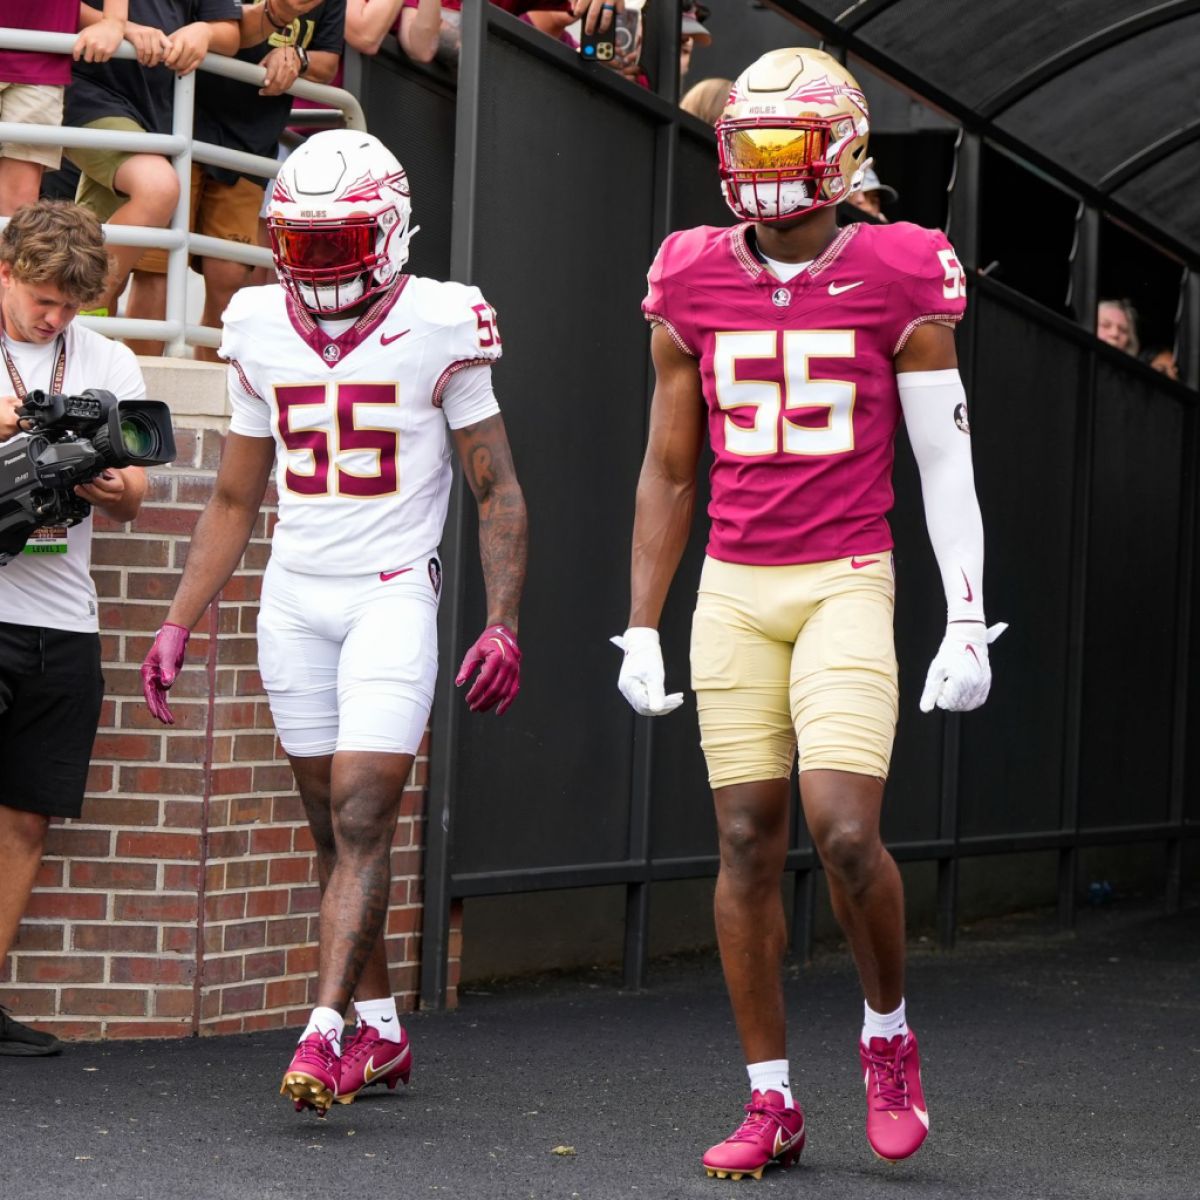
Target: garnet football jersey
{"type": "Point", "coordinates": [362, 452]}
{"type": "Point", "coordinates": [799, 379]}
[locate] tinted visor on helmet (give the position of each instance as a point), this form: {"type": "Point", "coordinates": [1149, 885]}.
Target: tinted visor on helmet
{"type": "Point", "coordinates": [787, 149]}
{"type": "Point", "coordinates": [319, 251]}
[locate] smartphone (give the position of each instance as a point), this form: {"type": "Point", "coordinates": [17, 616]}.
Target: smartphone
{"type": "Point", "coordinates": [627, 34]}
{"type": "Point", "coordinates": [598, 47]}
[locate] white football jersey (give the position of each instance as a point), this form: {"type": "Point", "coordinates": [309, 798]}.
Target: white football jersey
{"type": "Point", "coordinates": [360, 420]}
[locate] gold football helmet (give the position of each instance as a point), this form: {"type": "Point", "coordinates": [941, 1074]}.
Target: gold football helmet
{"type": "Point", "coordinates": [792, 137]}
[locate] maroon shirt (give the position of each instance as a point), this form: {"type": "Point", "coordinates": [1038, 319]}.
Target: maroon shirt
{"type": "Point", "coordinates": [799, 379]}
{"type": "Point", "coordinates": [51, 16]}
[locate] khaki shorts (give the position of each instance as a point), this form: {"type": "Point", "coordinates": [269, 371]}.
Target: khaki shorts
{"type": "Point", "coordinates": [99, 167]}
{"type": "Point", "coordinates": [219, 210]}
{"type": "Point", "coordinates": [32, 104]}
{"type": "Point", "coordinates": [795, 656]}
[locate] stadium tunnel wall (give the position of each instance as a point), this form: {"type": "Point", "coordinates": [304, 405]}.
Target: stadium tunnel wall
{"type": "Point", "coordinates": [185, 898]}
{"type": "Point", "coordinates": [594, 841]}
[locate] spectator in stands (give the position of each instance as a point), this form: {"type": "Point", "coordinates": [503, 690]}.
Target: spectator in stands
{"type": "Point", "coordinates": [31, 84]}
{"type": "Point", "coordinates": [417, 27]}
{"type": "Point", "coordinates": [1116, 324]}
{"type": "Point", "coordinates": [429, 29]}
{"type": "Point", "coordinates": [601, 13]}
{"type": "Point", "coordinates": [1161, 359]}
{"type": "Point", "coordinates": [870, 195]}
{"type": "Point", "coordinates": [707, 99]}
{"type": "Point", "coordinates": [693, 34]}
{"type": "Point", "coordinates": [290, 39]}
{"type": "Point", "coordinates": [52, 261]}
{"type": "Point", "coordinates": [122, 188]}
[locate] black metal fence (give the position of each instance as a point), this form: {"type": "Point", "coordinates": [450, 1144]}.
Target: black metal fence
{"type": "Point", "coordinates": [564, 181]}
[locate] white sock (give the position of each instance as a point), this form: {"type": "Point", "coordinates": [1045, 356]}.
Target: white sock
{"type": "Point", "coordinates": [381, 1015]}
{"type": "Point", "coordinates": [882, 1025]}
{"type": "Point", "coordinates": [771, 1076]}
{"type": "Point", "coordinates": [322, 1021]}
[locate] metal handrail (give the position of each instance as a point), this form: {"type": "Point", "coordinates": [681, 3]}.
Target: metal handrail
{"type": "Point", "coordinates": [179, 146]}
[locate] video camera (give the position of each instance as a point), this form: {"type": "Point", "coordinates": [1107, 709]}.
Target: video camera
{"type": "Point", "coordinates": [71, 440]}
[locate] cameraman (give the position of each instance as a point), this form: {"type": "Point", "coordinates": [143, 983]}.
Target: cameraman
{"type": "Point", "coordinates": [52, 262]}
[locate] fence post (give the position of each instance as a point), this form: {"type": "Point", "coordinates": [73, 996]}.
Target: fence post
{"type": "Point", "coordinates": [443, 770]}
{"type": "Point", "coordinates": [177, 257]}
{"type": "Point", "coordinates": [1083, 294]}
{"type": "Point", "coordinates": [661, 38]}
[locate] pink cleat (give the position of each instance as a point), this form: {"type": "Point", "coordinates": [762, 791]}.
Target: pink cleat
{"type": "Point", "coordinates": [897, 1119]}
{"type": "Point", "coordinates": [368, 1058]}
{"type": "Point", "coordinates": [312, 1078]}
{"type": "Point", "coordinates": [770, 1133]}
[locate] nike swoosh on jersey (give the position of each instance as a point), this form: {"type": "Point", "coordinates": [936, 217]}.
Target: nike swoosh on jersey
{"type": "Point", "coordinates": [371, 1071]}
{"type": "Point", "coordinates": [837, 290]}
{"type": "Point", "coordinates": [386, 575]}
{"type": "Point", "coordinates": [385, 340]}
{"type": "Point", "coordinates": [857, 564]}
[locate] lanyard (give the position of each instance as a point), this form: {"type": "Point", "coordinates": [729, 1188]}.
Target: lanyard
{"type": "Point", "coordinates": [57, 377]}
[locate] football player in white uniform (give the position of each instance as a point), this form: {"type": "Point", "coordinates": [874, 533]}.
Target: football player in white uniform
{"type": "Point", "coordinates": [351, 380]}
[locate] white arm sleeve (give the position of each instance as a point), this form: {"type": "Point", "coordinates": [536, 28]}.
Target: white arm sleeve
{"type": "Point", "coordinates": [468, 398]}
{"type": "Point", "coordinates": [935, 412]}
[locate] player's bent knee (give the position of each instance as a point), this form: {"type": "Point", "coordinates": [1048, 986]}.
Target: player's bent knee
{"type": "Point", "coordinates": [365, 821]}
{"type": "Point", "coordinates": [744, 844]}
{"type": "Point", "coordinates": [848, 849]}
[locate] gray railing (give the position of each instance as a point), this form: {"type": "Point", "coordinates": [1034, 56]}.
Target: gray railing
{"type": "Point", "coordinates": [179, 146]}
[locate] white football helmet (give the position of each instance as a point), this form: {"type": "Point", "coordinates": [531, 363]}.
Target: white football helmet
{"type": "Point", "coordinates": [339, 220]}
{"type": "Point", "coordinates": [792, 137]}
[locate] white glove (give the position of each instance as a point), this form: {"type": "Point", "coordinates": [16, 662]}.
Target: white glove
{"type": "Point", "coordinates": [642, 680]}
{"type": "Point", "coordinates": [959, 677]}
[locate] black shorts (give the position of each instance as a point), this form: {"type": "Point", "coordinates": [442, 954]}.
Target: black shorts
{"type": "Point", "coordinates": [50, 693]}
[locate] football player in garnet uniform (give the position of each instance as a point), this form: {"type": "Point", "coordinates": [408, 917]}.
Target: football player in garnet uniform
{"type": "Point", "coordinates": [800, 346]}
{"type": "Point", "coordinates": [351, 381]}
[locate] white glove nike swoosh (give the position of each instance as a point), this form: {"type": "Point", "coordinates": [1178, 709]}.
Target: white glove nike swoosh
{"type": "Point", "coordinates": [960, 676]}
{"type": "Point", "coordinates": [642, 678]}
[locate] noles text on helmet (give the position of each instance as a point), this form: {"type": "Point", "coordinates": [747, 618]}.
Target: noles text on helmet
{"type": "Point", "coordinates": [339, 221]}
{"type": "Point", "coordinates": [792, 137]}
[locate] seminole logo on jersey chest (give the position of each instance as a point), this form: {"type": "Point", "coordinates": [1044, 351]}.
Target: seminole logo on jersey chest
{"type": "Point", "coordinates": [781, 297]}
{"type": "Point", "coordinates": [332, 352]}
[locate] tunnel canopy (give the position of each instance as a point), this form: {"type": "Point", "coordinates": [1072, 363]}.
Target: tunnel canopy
{"type": "Point", "coordinates": [1102, 95]}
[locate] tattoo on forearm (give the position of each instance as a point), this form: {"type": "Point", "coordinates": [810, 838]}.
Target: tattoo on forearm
{"type": "Point", "coordinates": [503, 531]}
{"type": "Point", "coordinates": [481, 470]}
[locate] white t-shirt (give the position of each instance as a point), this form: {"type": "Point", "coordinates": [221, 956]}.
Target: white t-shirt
{"type": "Point", "coordinates": [360, 420]}
{"type": "Point", "coordinates": [55, 590]}
{"type": "Point", "coordinates": [785, 272]}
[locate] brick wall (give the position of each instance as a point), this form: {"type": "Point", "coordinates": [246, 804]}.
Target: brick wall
{"type": "Point", "coordinates": [185, 898]}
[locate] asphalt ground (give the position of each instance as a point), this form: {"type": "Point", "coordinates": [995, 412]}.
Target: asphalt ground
{"type": "Point", "coordinates": [1055, 1066]}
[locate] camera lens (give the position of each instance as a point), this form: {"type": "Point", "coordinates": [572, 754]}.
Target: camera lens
{"type": "Point", "coordinates": [138, 436]}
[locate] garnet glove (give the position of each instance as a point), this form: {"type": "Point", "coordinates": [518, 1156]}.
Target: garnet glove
{"type": "Point", "coordinates": [161, 668]}
{"type": "Point", "coordinates": [959, 677]}
{"type": "Point", "coordinates": [642, 679]}
{"type": "Point", "coordinates": [497, 655]}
